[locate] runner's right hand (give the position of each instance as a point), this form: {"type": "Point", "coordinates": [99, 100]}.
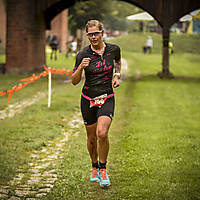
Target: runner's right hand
{"type": "Point", "coordinates": [84, 63]}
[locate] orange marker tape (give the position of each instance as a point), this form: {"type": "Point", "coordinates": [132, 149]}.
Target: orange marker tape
{"type": "Point", "coordinates": [3, 93]}
{"type": "Point", "coordinates": [11, 92]}
{"type": "Point", "coordinates": [19, 87]}
{"type": "Point", "coordinates": [33, 78]}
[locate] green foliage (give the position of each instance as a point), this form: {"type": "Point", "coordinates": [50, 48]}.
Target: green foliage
{"type": "Point", "coordinates": [116, 18]}
{"type": "Point", "coordinates": [81, 12]}
{"type": "Point", "coordinates": [112, 13]}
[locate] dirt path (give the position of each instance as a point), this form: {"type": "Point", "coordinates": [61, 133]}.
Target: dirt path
{"type": "Point", "coordinates": [13, 109]}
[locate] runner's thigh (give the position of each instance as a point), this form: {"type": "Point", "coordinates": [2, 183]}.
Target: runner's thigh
{"type": "Point", "coordinates": [107, 109]}
{"type": "Point", "coordinates": [89, 114]}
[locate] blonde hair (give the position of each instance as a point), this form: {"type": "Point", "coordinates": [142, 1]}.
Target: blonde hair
{"type": "Point", "coordinates": [92, 23]}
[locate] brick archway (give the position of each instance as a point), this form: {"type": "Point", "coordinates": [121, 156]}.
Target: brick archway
{"type": "Point", "coordinates": [28, 20]}
{"type": "Point", "coordinates": [55, 8]}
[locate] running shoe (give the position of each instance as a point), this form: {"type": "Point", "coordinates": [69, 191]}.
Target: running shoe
{"type": "Point", "coordinates": [94, 176]}
{"type": "Point", "coordinates": [104, 179]}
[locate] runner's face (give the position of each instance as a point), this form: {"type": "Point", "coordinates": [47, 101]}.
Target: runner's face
{"type": "Point", "coordinates": [95, 36]}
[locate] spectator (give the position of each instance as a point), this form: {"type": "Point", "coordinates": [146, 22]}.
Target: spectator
{"type": "Point", "coordinates": [74, 47]}
{"type": "Point", "coordinates": [171, 50]}
{"type": "Point", "coordinates": [54, 43]}
{"type": "Point", "coordinates": [149, 44]}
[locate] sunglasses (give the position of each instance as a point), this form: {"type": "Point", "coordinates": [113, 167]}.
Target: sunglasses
{"type": "Point", "coordinates": [94, 33]}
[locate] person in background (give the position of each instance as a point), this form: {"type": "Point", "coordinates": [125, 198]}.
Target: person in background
{"type": "Point", "coordinates": [54, 43]}
{"type": "Point", "coordinates": [149, 44]}
{"type": "Point", "coordinates": [99, 60]}
{"type": "Point", "coordinates": [171, 50]}
{"type": "Point", "coordinates": [74, 47]}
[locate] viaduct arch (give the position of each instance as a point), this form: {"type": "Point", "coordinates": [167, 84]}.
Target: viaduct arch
{"type": "Point", "coordinates": [28, 20]}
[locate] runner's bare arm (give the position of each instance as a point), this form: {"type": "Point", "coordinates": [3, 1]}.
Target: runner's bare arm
{"type": "Point", "coordinates": [117, 69]}
{"type": "Point", "coordinates": [117, 66]}
{"type": "Point", "coordinates": [76, 76]}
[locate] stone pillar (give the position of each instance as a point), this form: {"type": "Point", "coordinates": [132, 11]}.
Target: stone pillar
{"type": "Point", "coordinates": [59, 26]}
{"type": "Point", "coordinates": [2, 27]}
{"type": "Point", "coordinates": [165, 57]}
{"type": "Point", "coordinates": [25, 47]}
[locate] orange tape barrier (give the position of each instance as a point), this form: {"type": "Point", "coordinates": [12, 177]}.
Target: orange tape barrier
{"type": "Point", "coordinates": [33, 78]}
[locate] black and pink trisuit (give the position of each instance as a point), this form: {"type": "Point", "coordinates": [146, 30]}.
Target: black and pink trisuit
{"type": "Point", "coordinates": [98, 83]}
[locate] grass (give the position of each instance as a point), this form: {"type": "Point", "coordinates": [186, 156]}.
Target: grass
{"type": "Point", "coordinates": [160, 142]}
{"type": "Point", "coordinates": [2, 58]}
{"type": "Point", "coordinates": [24, 133]}
{"type": "Point", "coordinates": [154, 144]}
{"type": "Point", "coordinates": [183, 43]}
{"type": "Point", "coordinates": [8, 81]}
{"type": "Point", "coordinates": [63, 62]}
{"type": "Point", "coordinates": [154, 137]}
{"type": "Point", "coordinates": [33, 129]}
{"type": "Point", "coordinates": [181, 65]}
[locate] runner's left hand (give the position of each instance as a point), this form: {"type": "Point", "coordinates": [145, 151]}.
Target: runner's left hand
{"type": "Point", "coordinates": [115, 82]}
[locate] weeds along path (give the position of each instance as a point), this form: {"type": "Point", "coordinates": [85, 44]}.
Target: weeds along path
{"type": "Point", "coordinates": [125, 70]}
{"type": "Point", "coordinates": [38, 180]}
{"type": "Point", "coordinates": [13, 109]}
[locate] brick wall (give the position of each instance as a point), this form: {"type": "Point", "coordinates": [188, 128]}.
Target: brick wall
{"type": "Point", "coordinates": [2, 27]}
{"type": "Point", "coordinates": [25, 37]}
{"type": "Point", "coordinates": [25, 44]}
{"type": "Point", "coordinates": [59, 26]}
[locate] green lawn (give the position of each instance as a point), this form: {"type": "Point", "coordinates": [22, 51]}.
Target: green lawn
{"type": "Point", "coordinates": [2, 58]}
{"type": "Point", "coordinates": [154, 137]}
{"type": "Point", "coordinates": [154, 142]}
{"type": "Point", "coordinates": [182, 43]}
{"type": "Point", "coordinates": [63, 62]}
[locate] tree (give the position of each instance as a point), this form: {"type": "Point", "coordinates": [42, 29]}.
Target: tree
{"type": "Point", "coordinates": [112, 13]}
{"type": "Point", "coordinates": [81, 12]}
{"type": "Point", "coordinates": [116, 19]}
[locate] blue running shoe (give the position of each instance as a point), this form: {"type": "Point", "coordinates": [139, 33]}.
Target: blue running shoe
{"type": "Point", "coordinates": [104, 179]}
{"type": "Point", "coordinates": [94, 176]}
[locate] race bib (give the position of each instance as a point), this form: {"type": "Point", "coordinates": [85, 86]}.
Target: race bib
{"type": "Point", "coordinates": [98, 101]}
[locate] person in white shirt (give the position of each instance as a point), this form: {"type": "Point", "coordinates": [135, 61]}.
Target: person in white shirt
{"type": "Point", "coordinates": [149, 44]}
